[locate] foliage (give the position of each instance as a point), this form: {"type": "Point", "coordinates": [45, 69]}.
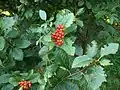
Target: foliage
{"type": "Point", "coordinates": [84, 62]}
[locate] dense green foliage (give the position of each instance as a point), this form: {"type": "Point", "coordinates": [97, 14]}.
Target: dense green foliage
{"type": "Point", "coordinates": [88, 59]}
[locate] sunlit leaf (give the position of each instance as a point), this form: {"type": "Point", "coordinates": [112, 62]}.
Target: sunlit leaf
{"type": "Point", "coordinates": [42, 14]}
{"type": "Point", "coordinates": [81, 61]}
{"type": "Point", "coordinates": [112, 48]}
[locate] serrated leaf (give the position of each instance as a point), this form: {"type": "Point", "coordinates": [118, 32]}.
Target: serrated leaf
{"type": "Point", "coordinates": [92, 50]}
{"type": "Point", "coordinates": [81, 61]}
{"type": "Point", "coordinates": [20, 43]}
{"type": "Point", "coordinates": [95, 76]}
{"type": "Point", "coordinates": [4, 78]}
{"type": "Point", "coordinates": [64, 18]}
{"type": "Point", "coordinates": [2, 43]}
{"type": "Point", "coordinates": [42, 14]}
{"type": "Point", "coordinates": [17, 54]}
{"type": "Point", "coordinates": [67, 46]}
{"type": "Point", "coordinates": [105, 62]}
{"type": "Point", "coordinates": [112, 48]}
{"type": "Point", "coordinates": [67, 85]}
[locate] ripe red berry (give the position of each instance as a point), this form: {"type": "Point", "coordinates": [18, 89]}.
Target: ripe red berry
{"type": "Point", "coordinates": [60, 26]}
{"type": "Point", "coordinates": [25, 84]}
{"type": "Point", "coordinates": [58, 30]}
{"type": "Point", "coordinates": [58, 35]}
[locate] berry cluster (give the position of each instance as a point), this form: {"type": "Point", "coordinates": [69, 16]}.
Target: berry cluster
{"type": "Point", "coordinates": [25, 84]}
{"type": "Point", "coordinates": [58, 35]}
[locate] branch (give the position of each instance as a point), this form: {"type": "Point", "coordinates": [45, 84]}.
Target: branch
{"type": "Point", "coordinates": [84, 69]}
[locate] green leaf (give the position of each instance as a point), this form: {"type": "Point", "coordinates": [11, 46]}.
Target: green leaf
{"type": "Point", "coordinates": [14, 81]}
{"type": "Point", "coordinates": [100, 14]}
{"type": "Point", "coordinates": [92, 50]}
{"type": "Point", "coordinates": [2, 43]}
{"type": "Point", "coordinates": [95, 76]}
{"type": "Point", "coordinates": [47, 40]}
{"type": "Point", "coordinates": [70, 29]}
{"type": "Point", "coordinates": [4, 78]}
{"type": "Point", "coordinates": [8, 22]}
{"type": "Point", "coordinates": [29, 13]}
{"type": "Point", "coordinates": [49, 71]}
{"type": "Point", "coordinates": [63, 59]}
{"type": "Point", "coordinates": [77, 76]}
{"type": "Point", "coordinates": [43, 51]}
{"type": "Point", "coordinates": [20, 43]}
{"type": "Point", "coordinates": [88, 4]}
{"type": "Point", "coordinates": [78, 50]}
{"type": "Point", "coordinates": [1, 64]}
{"type": "Point", "coordinates": [79, 22]}
{"type": "Point", "coordinates": [105, 62]}
{"type": "Point", "coordinates": [7, 87]}
{"type": "Point", "coordinates": [65, 18]}
{"type": "Point", "coordinates": [112, 48]}
{"type": "Point", "coordinates": [30, 73]}
{"type": "Point", "coordinates": [12, 34]}
{"type": "Point", "coordinates": [17, 54]}
{"type": "Point", "coordinates": [24, 2]}
{"type": "Point", "coordinates": [81, 2]}
{"type": "Point", "coordinates": [81, 61]}
{"type": "Point", "coordinates": [67, 46]}
{"type": "Point", "coordinates": [80, 11]}
{"type": "Point", "coordinates": [67, 85]}
{"type": "Point", "coordinates": [34, 78]}
{"type": "Point", "coordinates": [42, 14]}
{"type": "Point", "coordinates": [36, 29]}
{"type": "Point", "coordinates": [42, 84]}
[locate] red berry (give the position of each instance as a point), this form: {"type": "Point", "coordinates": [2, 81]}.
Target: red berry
{"type": "Point", "coordinates": [62, 29]}
{"type": "Point", "coordinates": [58, 30]}
{"type": "Point", "coordinates": [25, 84]}
{"type": "Point", "coordinates": [62, 36]}
{"type": "Point", "coordinates": [58, 35]}
{"type": "Point", "coordinates": [60, 26]}
{"type": "Point", "coordinates": [59, 44]}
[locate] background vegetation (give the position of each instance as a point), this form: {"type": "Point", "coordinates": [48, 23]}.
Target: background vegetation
{"type": "Point", "coordinates": [89, 59]}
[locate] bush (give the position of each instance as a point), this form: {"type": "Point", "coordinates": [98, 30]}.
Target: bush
{"type": "Point", "coordinates": [59, 45]}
